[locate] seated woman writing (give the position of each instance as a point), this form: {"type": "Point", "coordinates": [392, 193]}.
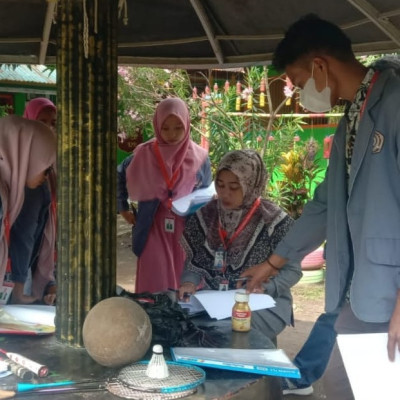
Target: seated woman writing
{"type": "Point", "coordinates": [237, 230]}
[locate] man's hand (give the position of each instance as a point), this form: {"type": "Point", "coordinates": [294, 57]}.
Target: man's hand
{"type": "Point", "coordinates": [394, 331]}
{"type": "Point", "coordinates": [256, 276]}
{"type": "Point", "coordinates": [129, 217]}
{"type": "Point", "coordinates": [261, 273]}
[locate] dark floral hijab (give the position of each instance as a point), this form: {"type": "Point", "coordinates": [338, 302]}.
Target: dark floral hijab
{"type": "Point", "coordinates": [249, 168]}
{"type": "Point", "coordinates": [256, 241]}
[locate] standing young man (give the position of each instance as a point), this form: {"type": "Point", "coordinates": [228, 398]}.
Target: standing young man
{"type": "Point", "coordinates": [357, 207]}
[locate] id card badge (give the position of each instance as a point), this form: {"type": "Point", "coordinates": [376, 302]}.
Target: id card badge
{"type": "Point", "coordinates": [6, 289]}
{"type": "Point", "coordinates": [219, 259]}
{"type": "Point", "coordinates": [169, 224]}
{"type": "Point", "coordinates": [223, 285]}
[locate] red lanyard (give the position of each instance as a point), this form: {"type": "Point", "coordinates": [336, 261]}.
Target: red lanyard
{"type": "Point", "coordinates": [223, 234]}
{"type": "Point", "coordinates": [371, 85]}
{"type": "Point", "coordinates": [169, 181]}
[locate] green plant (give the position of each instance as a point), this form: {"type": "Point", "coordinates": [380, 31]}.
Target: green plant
{"type": "Point", "coordinates": [4, 110]}
{"type": "Point", "coordinates": [296, 179]}
{"type": "Point", "coordinates": [215, 119]}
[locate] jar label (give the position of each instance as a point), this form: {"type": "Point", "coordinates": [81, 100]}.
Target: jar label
{"type": "Point", "coordinates": [241, 320]}
{"type": "Point", "coordinates": [241, 314]}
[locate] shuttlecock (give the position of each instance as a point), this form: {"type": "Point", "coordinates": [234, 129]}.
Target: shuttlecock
{"type": "Point", "coordinates": [157, 367]}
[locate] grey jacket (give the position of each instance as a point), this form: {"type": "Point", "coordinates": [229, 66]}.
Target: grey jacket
{"type": "Point", "coordinates": [363, 219]}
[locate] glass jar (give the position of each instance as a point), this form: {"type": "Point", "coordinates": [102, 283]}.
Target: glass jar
{"type": "Point", "coordinates": [241, 313]}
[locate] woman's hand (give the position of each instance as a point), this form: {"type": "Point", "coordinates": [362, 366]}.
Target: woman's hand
{"type": "Point", "coordinates": [18, 296]}
{"type": "Point", "coordinates": [129, 217]}
{"type": "Point", "coordinates": [50, 296]}
{"type": "Point", "coordinates": [185, 290]}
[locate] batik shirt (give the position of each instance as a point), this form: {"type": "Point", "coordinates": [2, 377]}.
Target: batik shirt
{"type": "Point", "coordinates": [352, 115]}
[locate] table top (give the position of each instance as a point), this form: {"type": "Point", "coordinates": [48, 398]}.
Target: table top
{"type": "Point", "coordinates": [67, 363]}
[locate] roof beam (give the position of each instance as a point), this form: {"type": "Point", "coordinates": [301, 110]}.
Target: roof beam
{"type": "Point", "coordinates": [385, 15]}
{"type": "Point", "coordinates": [19, 40]}
{"type": "Point", "coordinates": [375, 48]}
{"type": "Point", "coordinates": [20, 59]}
{"type": "Point", "coordinates": [382, 22]}
{"type": "Point", "coordinates": [196, 62]}
{"type": "Point", "coordinates": [201, 63]}
{"type": "Point", "coordinates": [201, 13]}
{"type": "Point", "coordinates": [268, 36]}
{"type": "Point", "coordinates": [168, 42]}
{"type": "Point", "coordinates": [173, 42]}
{"type": "Point", "coordinates": [51, 5]}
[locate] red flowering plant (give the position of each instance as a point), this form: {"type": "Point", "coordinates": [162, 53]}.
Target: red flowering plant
{"type": "Point", "coordinates": [232, 117]}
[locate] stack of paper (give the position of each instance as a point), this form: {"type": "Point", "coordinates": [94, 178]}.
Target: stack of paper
{"type": "Point", "coordinates": [208, 299]}
{"type": "Point", "coordinates": [27, 319]}
{"type": "Point", "coordinates": [372, 376]}
{"type": "Point", "coordinates": [258, 361]}
{"type": "Point", "coordinates": [193, 201]}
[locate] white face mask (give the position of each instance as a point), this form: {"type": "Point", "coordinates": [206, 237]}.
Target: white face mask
{"type": "Point", "coordinates": [313, 100]}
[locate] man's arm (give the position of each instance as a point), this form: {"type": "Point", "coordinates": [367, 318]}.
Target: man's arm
{"type": "Point", "coordinates": [307, 234]}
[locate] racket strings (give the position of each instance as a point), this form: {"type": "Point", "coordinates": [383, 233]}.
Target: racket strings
{"type": "Point", "coordinates": [132, 382]}
{"type": "Point", "coordinates": [121, 390]}
{"type": "Point", "coordinates": [134, 377]}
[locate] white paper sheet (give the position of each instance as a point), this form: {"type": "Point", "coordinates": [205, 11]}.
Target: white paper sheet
{"type": "Point", "coordinates": [190, 203]}
{"type": "Point", "coordinates": [372, 376]}
{"type": "Point", "coordinates": [33, 314]}
{"type": "Point", "coordinates": [193, 306]}
{"type": "Point", "coordinates": [219, 303]}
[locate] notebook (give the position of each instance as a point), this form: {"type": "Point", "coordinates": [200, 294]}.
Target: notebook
{"type": "Point", "coordinates": [27, 319]}
{"type": "Point", "coordinates": [272, 362]}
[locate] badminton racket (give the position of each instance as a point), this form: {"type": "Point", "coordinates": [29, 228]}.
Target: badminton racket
{"type": "Point", "coordinates": [10, 391]}
{"type": "Point", "coordinates": [131, 383]}
{"type": "Point", "coordinates": [181, 378]}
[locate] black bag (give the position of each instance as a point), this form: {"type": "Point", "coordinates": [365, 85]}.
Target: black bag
{"type": "Point", "coordinates": [171, 324]}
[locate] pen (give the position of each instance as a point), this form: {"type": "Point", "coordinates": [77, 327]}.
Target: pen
{"type": "Point", "coordinates": [241, 279]}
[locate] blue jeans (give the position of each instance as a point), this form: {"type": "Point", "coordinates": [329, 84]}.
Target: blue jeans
{"type": "Point", "coordinates": [313, 357]}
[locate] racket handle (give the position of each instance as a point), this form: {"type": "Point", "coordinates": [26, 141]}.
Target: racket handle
{"type": "Point", "coordinates": [25, 387]}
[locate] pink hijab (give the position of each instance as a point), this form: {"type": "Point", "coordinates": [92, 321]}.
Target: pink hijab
{"type": "Point", "coordinates": [27, 148]}
{"type": "Point", "coordinates": [45, 270]}
{"type": "Point", "coordinates": [35, 106]}
{"type": "Point", "coordinates": [144, 178]}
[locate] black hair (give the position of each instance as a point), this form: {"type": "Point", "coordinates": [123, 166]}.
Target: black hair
{"type": "Point", "coordinates": [312, 34]}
